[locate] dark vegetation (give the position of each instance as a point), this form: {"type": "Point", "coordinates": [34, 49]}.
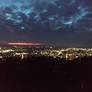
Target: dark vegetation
{"type": "Point", "coordinates": [46, 74]}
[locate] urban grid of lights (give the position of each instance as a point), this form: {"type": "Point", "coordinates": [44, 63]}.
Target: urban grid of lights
{"type": "Point", "coordinates": [67, 53]}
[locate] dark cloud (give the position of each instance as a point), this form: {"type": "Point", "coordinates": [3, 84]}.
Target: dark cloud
{"type": "Point", "coordinates": [30, 19]}
{"type": "Point", "coordinates": [57, 13]}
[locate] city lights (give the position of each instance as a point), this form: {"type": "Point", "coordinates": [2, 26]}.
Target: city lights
{"type": "Point", "coordinates": [23, 52]}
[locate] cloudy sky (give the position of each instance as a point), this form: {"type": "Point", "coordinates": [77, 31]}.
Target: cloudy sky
{"type": "Point", "coordinates": [65, 23]}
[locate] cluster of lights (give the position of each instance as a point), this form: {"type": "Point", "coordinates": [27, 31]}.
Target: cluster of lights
{"type": "Point", "coordinates": [68, 53]}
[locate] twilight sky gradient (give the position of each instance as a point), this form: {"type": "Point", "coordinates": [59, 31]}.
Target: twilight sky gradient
{"type": "Point", "coordinates": [65, 23]}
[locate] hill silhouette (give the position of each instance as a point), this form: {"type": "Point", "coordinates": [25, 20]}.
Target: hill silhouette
{"type": "Point", "coordinates": [38, 74]}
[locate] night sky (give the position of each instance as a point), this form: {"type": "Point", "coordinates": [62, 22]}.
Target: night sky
{"type": "Point", "coordinates": [65, 23]}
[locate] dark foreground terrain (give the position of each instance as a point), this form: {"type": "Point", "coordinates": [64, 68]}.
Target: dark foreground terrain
{"type": "Point", "coordinates": [45, 74]}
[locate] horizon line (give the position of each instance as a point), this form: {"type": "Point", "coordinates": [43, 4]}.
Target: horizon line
{"type": "Point", "coordinates": [27, 44]}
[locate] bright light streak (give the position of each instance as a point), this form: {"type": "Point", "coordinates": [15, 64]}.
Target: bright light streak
{"type": "Point", "coordinates": [24, 43]}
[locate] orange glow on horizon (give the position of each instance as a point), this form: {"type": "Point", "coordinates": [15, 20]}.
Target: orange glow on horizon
{"type": "Point", "coordinates": [24, 43]}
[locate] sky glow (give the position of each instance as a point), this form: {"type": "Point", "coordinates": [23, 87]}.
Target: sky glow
{"type": "Point", "coordinates": [24, 44]}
